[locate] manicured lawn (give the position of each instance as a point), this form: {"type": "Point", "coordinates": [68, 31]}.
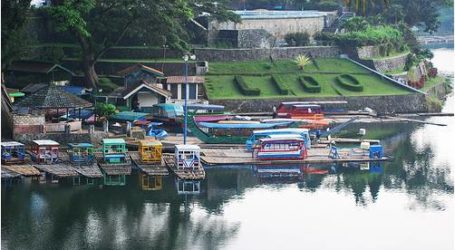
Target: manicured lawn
{"type": "Point", "coordinates": [257, 74]}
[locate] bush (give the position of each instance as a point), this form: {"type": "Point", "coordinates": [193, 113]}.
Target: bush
{"type": "Point", "coordinates": [349, 82]}
{"type": "Point", "coordinates": [244, 88]}
{"type": "Point", "coordinates": [309, 84]}
{"type": "Point", "coordinates": [327, 6]}
{"type": "Point", "coordinates": [105, 109]}
{"type": "Point", "coordinates": [283, 89]}
{"type": "Point", "coordinates": [372, 35]}
{"type": "Point", "coordinates": [297, 39]}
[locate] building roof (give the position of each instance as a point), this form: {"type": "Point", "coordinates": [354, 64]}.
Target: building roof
{"type": "Point", "coordinates": [52, 97]}
{"type": "Point", "coordinates": [34, 87]}
{"type": "Point", "coordinates": [80, 145]}
{"type": "Point", "coordinates": [150, 143]}
{"type": "Point", "coordinates": [46, 142]}
{"type": "Point", "coordinates": [278, 14]}
{"type": "Point", "coordinates": [181, 79]}
{"type": "Point", "coordinates": [126, 93]}
{"type": "Point", "coordinates": [36, 67]}
{"type": "Point", "coordinates": [136, 67]}
{"type": "Point", "coordinates": [113, 141]}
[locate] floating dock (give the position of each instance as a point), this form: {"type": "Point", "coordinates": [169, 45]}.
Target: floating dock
{"type": "Point", "coordinates": [24, 169]}
{"type": "Point", "coordinates": [152, 169]}
{"type": "Point", "coordinates": [113, 168]}
{"type": "Point", "coordinates": [315, 155]}
{"type": "Point", "coordinates": [59, 170]}
{"type": "Point", "coordinates": [182, 174]}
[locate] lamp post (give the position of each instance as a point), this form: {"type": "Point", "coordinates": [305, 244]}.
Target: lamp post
{"type": "Point", "coordinates": [186, 58]}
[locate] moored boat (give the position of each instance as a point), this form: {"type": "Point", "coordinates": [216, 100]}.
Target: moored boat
{"type": "Point", "coordinates": [280, 149]}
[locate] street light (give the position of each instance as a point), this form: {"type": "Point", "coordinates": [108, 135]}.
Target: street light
{"type": "Point", "coordinates": [186, 58]}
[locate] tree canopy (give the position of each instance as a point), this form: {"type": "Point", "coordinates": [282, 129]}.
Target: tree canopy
{"type": "Point", "coordinates": [99, 25]}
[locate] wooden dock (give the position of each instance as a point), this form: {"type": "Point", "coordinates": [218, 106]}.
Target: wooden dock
{"type": "Point", "coordinates": [60, 170]}
{"type": "Point", "coordinates": [24, 169]}
{"type": "Point", "coordinates": [198, 174]}
{"type": "Point", "coordinates": [315, 155]}
{"type": "Point", "coordinates": [154, 169]}
{"type": "Point", "coordinates": [111, 168]}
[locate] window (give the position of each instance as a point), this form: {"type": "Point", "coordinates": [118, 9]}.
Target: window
{"type": "Point", "coordinates": [193, 93]}
{"type": "Point", "coordinates": [174, 90]}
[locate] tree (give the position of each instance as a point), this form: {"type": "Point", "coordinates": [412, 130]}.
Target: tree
{"type": "Point", "coordinates": [14, 19]}
{"type": "Point", "coordinates": [355, 24]}
{"type": "Point", "coordinates": [98, 25]}
{"type": "Point", "coordinates": [302, 61]}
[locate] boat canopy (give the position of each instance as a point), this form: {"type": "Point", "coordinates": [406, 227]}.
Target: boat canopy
{"type": "Point", "coordinates": [129, 116]}
{"type": "Point", "coordinates": [242, 125]}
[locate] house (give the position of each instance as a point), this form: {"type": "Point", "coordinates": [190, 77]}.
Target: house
{"type": "Point", "coordinates": [21, 73]}
{"type": "Point", "coordinates": [176, 85]}
{"type": "Point", "coordinates": [139, 72]}
{"type": "Point", "coordinates": [139, 97]}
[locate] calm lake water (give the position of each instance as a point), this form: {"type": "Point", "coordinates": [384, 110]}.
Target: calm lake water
{"type": "Point", "coordinates": [403, 204]}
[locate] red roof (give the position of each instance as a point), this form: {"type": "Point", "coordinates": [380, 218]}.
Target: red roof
{"type": "Point", "coordinates": [181, 79]}
{"type": "Point", "coordinates": [137, 67]}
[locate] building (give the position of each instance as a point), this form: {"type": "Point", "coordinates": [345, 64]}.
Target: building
{"type": "Point", "coordinates": [139, 72]}
{"type": "Point", "coordinates": [264, 28]}
{"type": "Point", "coordinates": [176, 85]}
{"type": "Point", "coordinates": [21, 73]}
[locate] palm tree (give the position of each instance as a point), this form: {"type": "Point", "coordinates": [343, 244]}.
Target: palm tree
{"type": "Point", "coordinates": [302, 61]}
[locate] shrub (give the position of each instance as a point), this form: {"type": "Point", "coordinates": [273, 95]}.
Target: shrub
{"type": "Point", "coordinates": [433, 72]}
{"type": "Point", "coordinates": [244, 88]}
{"type": "Point", "coordinates": [349, 82]}
{"type": "Point", "coordinates": [297, 39]}
{"type": "Point", "coordinates": [283, 89]}
{"type": "Point", "coordinates": [309, 84]}
{"type": "Point", "coordinates": [105, 109]}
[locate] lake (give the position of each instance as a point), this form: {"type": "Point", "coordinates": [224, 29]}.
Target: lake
{"type": "Point", "coordinates": [403, 204]}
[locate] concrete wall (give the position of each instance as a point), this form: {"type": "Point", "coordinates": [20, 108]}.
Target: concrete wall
{"type": "Point", "coordinates": [208, 54]}
{"type": "Point", "coordinates": [63, 139]}
{"type": "Point", "coordinates": [277, 27]}
{"type": "Point", "coordinates": [382, 104]}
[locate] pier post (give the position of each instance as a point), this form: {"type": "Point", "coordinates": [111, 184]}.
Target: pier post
{"type": "Point", "coordinates": [106, 126]}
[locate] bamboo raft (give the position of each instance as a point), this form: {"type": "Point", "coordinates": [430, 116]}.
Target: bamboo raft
{"type": "Point", "coordinates": [24, 169]}
{"type": "Point", "coordinates": [155, 169]}
{"type": "Point", "coordinates": [198, 174]}
{"type": "Point", "coordinates": [90, 170]}
{"type": "Point", "coordinates": [60, 170]}
{"type": "Point", "coordinates": [111, 168]}
{"type": "Point", "coordinates": [315, 155]}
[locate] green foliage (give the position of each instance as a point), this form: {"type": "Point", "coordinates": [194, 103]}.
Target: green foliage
{"type": "Point", "coordinates": [14, 37]}
{"type": "Point", "coordinates": [297, 39]}
{"type": "Point", "coordinates": [372, 35]}
{"type": "Point", "coordinates": [355, 24]}
{"type": "Point", "coordinates": [107, 85]}
{"type": "Point", "coordinates": [244, 88]}
{"type": "Point", "coordinates": [349, 82]}
{"type": "Point", "coordinates": [302, 61]}
{"type": "Point", "coordinates": [309, 84]}
{"type": "Point", "coordinates": [282, 88]}
{"type": "Point", "coordinates": [105, 109]}
{"type": "Point", "coordinates": [327, 5]}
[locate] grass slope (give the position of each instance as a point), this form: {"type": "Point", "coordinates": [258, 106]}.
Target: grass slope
{"type": "Point", "coordinates": [220, 80]}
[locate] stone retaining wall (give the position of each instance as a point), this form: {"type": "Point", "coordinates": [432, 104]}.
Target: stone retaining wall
{"type": "Point", "coordinates": [209, 54]}
{"type": "Point", "coordinates": [62, 138]}
{"type": "Point", "coordinates": [382, 104]}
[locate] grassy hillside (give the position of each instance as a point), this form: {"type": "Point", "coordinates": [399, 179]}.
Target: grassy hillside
{"type": "Point", "coordinates": [257, 74]}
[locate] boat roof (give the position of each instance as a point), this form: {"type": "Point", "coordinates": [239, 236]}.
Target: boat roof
{"type": "Point", "coordinates": [281, 130]}
{"type": "Point", "coordinates": [80, 145]}
{"type": "Point", "coordinates": [113, 141]}
{"type": "Point", "coordinates": [285, 136]}
{"type": "Point", "coordinates": [46, 142]}
{"type": "Point", "coordinates": [11, 144]}
{"type": "Point", "coordinates": [306, 106]}
{"type": "Point", "coordinates": [242, 125]}
{"type": "Point", "coordinates": [280, 139]}
{"type": "Point", "coordinates": [150, 142]}
{"type": "Point", "coordinates": [187, 148]}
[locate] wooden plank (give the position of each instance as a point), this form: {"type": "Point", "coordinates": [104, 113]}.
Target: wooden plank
{"type": "Point", "coordinates": [24, 169]}
{"type": "Point", "coordinates": [114, 168]}
{"type": "Point", "coordinates": [155, 169]}
{"type": "Point", "coordinates": [198, 174]}
{"type": "Point", "coordinates": [59, 170]}
{"type": "Point", "coordinates": [315, 155]}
